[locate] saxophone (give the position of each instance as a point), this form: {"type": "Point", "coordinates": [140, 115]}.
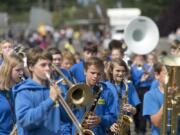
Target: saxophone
{"type": "Point", "coordinates": [124, 120]}
{"type": "Point", "coordinates": [92, 107]}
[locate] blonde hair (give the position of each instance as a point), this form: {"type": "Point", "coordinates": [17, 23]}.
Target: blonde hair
{"type": "Point", "coordinates": [8, 64]}
{"type": "Point", "coordinates": [69, 56]}
{"type": "Point", "coordinates": [2, 43]}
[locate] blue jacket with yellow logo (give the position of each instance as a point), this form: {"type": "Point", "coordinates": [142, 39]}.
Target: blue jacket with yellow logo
{"type": "Point", "coordinates": [105, 109]}
{"type": "Point", "coordinates": [36, 113]}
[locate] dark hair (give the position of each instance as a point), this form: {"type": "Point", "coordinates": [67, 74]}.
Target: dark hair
{"type": "Point", "coordinates": [54, 50]}
{"type": "Point", "coordinates": [173, 46]}
{"type": "Point", "coordinates": [158, 67]}
{"type": "Point", "coordinates": [116, 44]}
{"type": "Point", "coordinates": [34, 54]}
{"type": "Point", "coordinates": [136, 55]}
{"type": "Point", "coordinates": [164, 53]}
{"type": "Point", "coordinates": [91, 47]}
{"type": "Point", "coordinates": [94, 61]}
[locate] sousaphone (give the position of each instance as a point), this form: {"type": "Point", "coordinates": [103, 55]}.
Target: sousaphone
{"type": "Point", "coordinates": [141, 35]}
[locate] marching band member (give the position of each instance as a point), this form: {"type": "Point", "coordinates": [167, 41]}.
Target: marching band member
{"type": "Point", "coordinates": [37, 112]}
{"type": "Point", "coordinates": [11, 72]}
{"type": "Point", "coordinates": [116, 73]}
{"type": "Point", "coordinates": [151, 60]}
{"type": "Point", "coordinates": [68, 60]}
{"type": "Point", "coordinates": [153, 99]}
{"type": "Point", "coordinates": [77, 70]}
{"type": "Point", "coordinates": [57, 61]}
{"type": "Point", "coordinates": [56, 56]}
{"type": "Point", "coordinates": [104, 114]}
{"type": "Point", "coordinates": [116, 49]}
{"type": "Point", "coordinates": [142, 79]}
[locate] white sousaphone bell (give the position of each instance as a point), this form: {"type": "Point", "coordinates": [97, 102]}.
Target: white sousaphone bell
{"type": "Point", "coordinates": [141, 35]}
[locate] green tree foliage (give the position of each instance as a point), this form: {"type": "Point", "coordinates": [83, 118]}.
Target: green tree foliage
{"type": "Point", "coordinates": [151, 8]}
{"type": "Point", "coordinates": [67, 10]}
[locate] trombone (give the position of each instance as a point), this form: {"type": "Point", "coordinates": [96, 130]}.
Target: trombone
{"type": "Point", "coordinates": [78, 94]}
{"type": "Point", "coordinates": [80, 129]}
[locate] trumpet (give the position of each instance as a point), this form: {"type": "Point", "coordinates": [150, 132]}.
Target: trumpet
{"type": "Point", "coordinates": [78, 94]}
{"type": "Point", "coordinates": [61, 100]}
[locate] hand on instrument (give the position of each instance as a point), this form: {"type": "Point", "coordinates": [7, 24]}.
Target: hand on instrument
{"type": "Point", "coordinates": [144, 77]}
{"type": "Point", "coordinates": [115, 128]}
{"type": "Point", "coordinates": [54, 92]}
{"type": "Point", "coordinates": [129, 108]}
{"type": "Point", "coordinates": [172, 90]}
{"type": "Point", "coordinates": [92, 120]}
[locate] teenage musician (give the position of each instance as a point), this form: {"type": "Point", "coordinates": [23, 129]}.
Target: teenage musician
{"type": "Point", "coordinates": [77, 70]}
{"type": "Point", "coordinates": [103, 115]}
{"type": "Point", "coordinates": [117, 83]}
{"type": "Point", "coordinates": [142, 79]}
{"type": "Point", "coordinates": [36, 107]}
{"type": "Point", "coordinates": [11, 72]}
{"type": "Point", "coordinates": [57, 61]}
{"type": "Point", "coordinates": [154, 99]}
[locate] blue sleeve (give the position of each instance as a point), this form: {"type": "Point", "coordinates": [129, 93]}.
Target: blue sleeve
{"type": "Point", "coordinates": [150, 105]}
{"type": "Point", "coordinates": [109, 117]}
{"type": "Point", "coordinates": [67, 74]}
{"type": "Point", "coordinates": [133, 96]}
{"type": "Point", "coordinates": [72, 69]}
{"type": "Point", "coordinates": [26, 114]}
{"type": "Point", "coordinates": [135, 76]}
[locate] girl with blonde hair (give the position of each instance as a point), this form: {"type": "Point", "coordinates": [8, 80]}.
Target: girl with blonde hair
{"type": "Point", "coordinates": [11, 72]}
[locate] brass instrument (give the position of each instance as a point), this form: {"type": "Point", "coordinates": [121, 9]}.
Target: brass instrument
{"type": "Point", "coordinates": [137, 33]}
{"type": "Point", "coordinates": [124, 120]}
{"type": "Point", "coordinates": [171, 101]}
{"type": "Point", "coordinates": [78, 94]}
{"type": "Point", "coordinates": [61, 100]}
{"type": "Point", "coordinates": [92, 107]}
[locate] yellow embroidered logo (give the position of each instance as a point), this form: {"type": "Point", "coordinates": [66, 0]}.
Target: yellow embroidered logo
{"type": "Point", "coordinates": [56, 104]}
{"type": "Point", "coordinates": [101, 101]}
{"type": "Point", "coordinates": [64, 82]}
